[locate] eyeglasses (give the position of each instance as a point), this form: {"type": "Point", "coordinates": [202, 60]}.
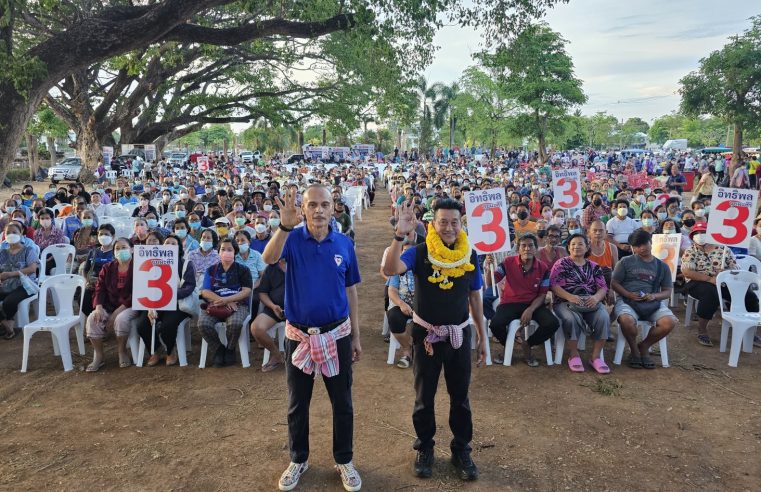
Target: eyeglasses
{"type": "Point", "coordinates": [554, 236]}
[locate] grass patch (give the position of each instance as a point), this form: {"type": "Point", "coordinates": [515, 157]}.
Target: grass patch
{"type": "Point", "coordinates": [606, 386]}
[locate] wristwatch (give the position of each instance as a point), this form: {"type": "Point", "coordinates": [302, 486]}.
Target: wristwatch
{"type": "Point", "coordinates": [399, 238]}
{"type": "Point", "coordinates": [283, 228]}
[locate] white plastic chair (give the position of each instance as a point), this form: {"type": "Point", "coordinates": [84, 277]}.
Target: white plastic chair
{"type": "Point", "coordinates": [692, 307]}
{"type": "Point", "coordinates": [510, 342]}
{"type": "Point", "coordinates": [749, 264]}
{"type": "Point", "coordinates": [63, 257]}
{"type": "Point", "coordinates": [645, 327]}
{"type": "Point", "coordinates": [115, 210]}
{"type": "Point", "coordinates": [742, 323]}
{"type": "Point", "coordinates": [130, 207]}
{"type": "Point", "coordinates": [277, 330]}
{"type": "Point", "coordinates": [394, 344]}
{"type": "Point", "coordinates": [560, 345]}
{"type": "Point", "coordinates": [167, 218]}
{"type": "Point", "coordinates": [181, 343]}
{"type": "Point", "coordinates": [244, 340]}
{"type": "Point", "coordinates": [111, 176]}
{"type": "Point", "coordinates": [65, 288]}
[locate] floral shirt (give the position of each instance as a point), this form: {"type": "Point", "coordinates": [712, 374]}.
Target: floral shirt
{"type": "Point", "coordinates": [710, 263]}
{"type": "Point", "coordinates": [202, 262]}
{"type": "Point", "coordinates": [588, 278]}
{"type": "Point", "coordinates": [44, 238]}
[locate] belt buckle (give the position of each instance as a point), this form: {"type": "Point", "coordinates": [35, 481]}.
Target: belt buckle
{"type": "Point", "coordinates": [313, 331]}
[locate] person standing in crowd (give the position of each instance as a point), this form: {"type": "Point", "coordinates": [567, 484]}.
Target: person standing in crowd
{"type": "Point", "coordinates": [527, 281]}
{"type": "Point", "coordinates": [643, 284]}
{"type": "Point", "coordinates": [322, 327]}
{"type": "Point", "coordinates": [596, 210]}
{"type": "Point", "coordinates": [447, 288]}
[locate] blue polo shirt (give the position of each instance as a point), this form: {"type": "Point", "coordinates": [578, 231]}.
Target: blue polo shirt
{"type": "Point", "coordinates": [317, 276]}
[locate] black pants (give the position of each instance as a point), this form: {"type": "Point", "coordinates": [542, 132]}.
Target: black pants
{"type": "Point", "coordinates": [300, 387]}
{"type": "Point", "coordinates": [705, 293]}
{"type": "Point", "coordinates": [87, 307]}
{"type": "Point", "coordinates": [426, 370]}
{"type": "Point", "coordinates": [508, 312]}
{"type": "Point", "coordinates": [166, 328]}
{"type": "Point", "coordinates": [397, 320]}
{"type": "Point", "coordinates": [11, 301]}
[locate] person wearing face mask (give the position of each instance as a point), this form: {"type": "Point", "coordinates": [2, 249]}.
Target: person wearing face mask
{"type": "Point", "coordinates": [97, 257]}
{"type": "Point", "coordinates": [85, 238]}
{"type": "Point", "coordinates": [522, 225]}
{"type": "Point", "coordinates": [97, 206]}
{"type": "Point", "coordinates": [620, 227]}
{"type": "Point", "coordinates": [20, 217]}
{"type": "Point", "coordinates": [145, 206]}
{"type": "Point", "coordinates": [648, 221]}
{"type": "Point", "coordinates": [140, 232]}
{"type": "Point", "coordinates": [596, 210]}
{"type": "Point", "coordinates": [701, 263]}
{"type": "Point", "coordinates": [238, 205]}
{"type": "Point", "coordinates": [698, 208]}
{"type": "Point", "coordinates": [112, 301]}
{"type": "Point", "coordinates": [250, 258]}
{"type": "Point", "coordinates": [206, 255]}
{"type": "Point", "coordinates": [16, 259]}
{"type": "Point", "coordinates": [28, 196]}
{"type": "Point", "coordinates": [48, 233]}
{"type": "Point", "coordinates": [153, 224]}
{"type": "Point", "coordinates": [166, 205]}
{"type": "Point", "coordinates": [222, 226]}
{"type": "Point", "coordinates": [261, 238]}
{"type": "Point", "coordinates": [228, 285]}
{"type": "Point", "coordinates": [274, 220]}
{"type": "Point", "coordinates": [181, 229]}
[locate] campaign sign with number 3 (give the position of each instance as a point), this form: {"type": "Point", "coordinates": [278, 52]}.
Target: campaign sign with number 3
{"type": "Point", "coordinates": [154, 278]}
{"type": "Point", "coordinates": [730, 222]}
{"type": "Point", "coordinates": [488, 223]}
{"type": "Point", "coordinates": [566, 188]}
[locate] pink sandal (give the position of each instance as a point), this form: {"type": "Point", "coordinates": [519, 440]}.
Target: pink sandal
{"type": "Point", "coordinates": [600, 366]}
{"type": "Point", "coordinates": [575, 364]}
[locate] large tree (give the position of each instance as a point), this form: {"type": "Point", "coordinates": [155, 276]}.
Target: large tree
{"type": "Point", "coordinates": [728, 85]}
{"type": "Point", "coordinates": [538, 73]}
{"type": "Point", "coordinates": [43, 42]}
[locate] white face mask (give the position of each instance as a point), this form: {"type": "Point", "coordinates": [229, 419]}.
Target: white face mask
{"type": "Point", "coordinates": [105, 240]}
{"type": "Point", "coordinates": [12, 238]}
{"type": "Point", "coordinates": [700, 212]}
{"type": "Point", "coordinates": [260, 228]}
{"type": "Point", "coordinates": [699, 239]}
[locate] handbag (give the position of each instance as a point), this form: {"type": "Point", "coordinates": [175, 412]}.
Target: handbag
{"type": "Point", "coordinates": [220, 312]}
{"type": "Point", "coordinates": [645, 309]}
{"type": "Point", "coordinates": [581, 292]}
{"type": "Point", "coordinates": [189, 304]}
{"type": "Point", "coordinates": [30, 286]}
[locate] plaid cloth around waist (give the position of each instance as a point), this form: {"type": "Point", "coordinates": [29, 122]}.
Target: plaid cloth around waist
{"type": "Point", "coordinates": [317, 352]}
{"type": "Point", "coordinates": [440, 333]}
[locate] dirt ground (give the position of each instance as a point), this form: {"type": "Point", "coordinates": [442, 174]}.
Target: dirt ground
{"type": "Point", "coordinates": [695, 425]}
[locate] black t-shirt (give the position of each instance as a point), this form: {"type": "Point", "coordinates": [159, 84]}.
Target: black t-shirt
{"type": "Point", "coordinates": [273, 284]}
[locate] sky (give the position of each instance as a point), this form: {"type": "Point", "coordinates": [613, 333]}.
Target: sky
{"type": "Point", "coordinates": [629, 55]}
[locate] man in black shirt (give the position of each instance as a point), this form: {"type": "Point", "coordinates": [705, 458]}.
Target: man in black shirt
{"type": "Point", "coordinates": [271, 292]}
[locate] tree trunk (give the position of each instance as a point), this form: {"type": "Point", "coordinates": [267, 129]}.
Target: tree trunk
{"type": "Point", "coordinates": [324, 136]}
{"type": "Point", "coordinates": [399, 139]}
{"type": "Point", "coordinates": [737, 148]}
{"type": "Point", "coordinates": [225, 144]}
{"type": "Point", "coordinates": [33, 155]}
{"type": "Point", "coordinates": [451, 132]}
{"type": "Point", "coordinates": [88, 149]}
{"type": "Point", "coordinates": [17, 112]}
{"type": "Point", "coordinates": [301, 140]}
{"type": "Point", "coordinates": [51, 149]}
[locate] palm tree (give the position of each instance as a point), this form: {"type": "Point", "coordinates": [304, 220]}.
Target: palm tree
{"type": "Point", "coordinates": [443, 109]}
{"type": "Point", "coordinates": [426, 96]}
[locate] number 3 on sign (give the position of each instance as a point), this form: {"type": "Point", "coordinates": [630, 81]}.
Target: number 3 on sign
{"type": "Point", "coordinates": [494, 226]}
{"type": "Point", "coordinates": [569, 193]}
{"type": "Point", "coordinates": [161, 283]}
{"type": "Point", "coordinates": [735, 224]}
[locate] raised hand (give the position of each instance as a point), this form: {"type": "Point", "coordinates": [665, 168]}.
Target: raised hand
{"type": "Point", "coordinates": [290, 215]}
{"type": "Point", "coordinates": [406, 221]}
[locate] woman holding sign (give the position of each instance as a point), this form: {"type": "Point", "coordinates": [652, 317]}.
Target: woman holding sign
{"type": "Point", "coordinates": [113, 305]}
{"type": "Point", "coordinates": [167, 322]}
{"type": "Point", "coordinates": [700, 265]}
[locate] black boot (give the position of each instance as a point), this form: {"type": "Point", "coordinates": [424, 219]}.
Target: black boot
{"type": "Point", "coordinates": [229, 357]}
{"type": "Point", "coordinates": [219, 357]}
{"type": "Point", "coordinates": [424, 463]}
{"type": "Point", "coordinates": [464, 464]}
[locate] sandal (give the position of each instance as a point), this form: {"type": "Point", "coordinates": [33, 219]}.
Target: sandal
{"type": "Point", "coordinates": [531, 361]}
{"type": "Point", "coordinates": [634, 362]}
{"type": "Point", "coordinates": [125, 363]}
{"type": "Point", "coordinates": [600, 366]}
{"type": "Point", "coordinates": [575, 364]}
{"type": "Point", "coordinates": [647, 362]}
{"type": "Point", "coordinates": [271, 366]}
{"type": "Point", "coordinates": [387, 338]}
{"type": "Point", "coordinates": [705, 340]}
{"type": "Point", "coordinates": [153, 360]}
{"type": "Point", "coordinates": [171, 360]}
{"type": "Point", "coordinates": [404, 362]}
{"type": "Point", "coordinates": [10, 335]}
{"type": "Point", "coordinates": [95, 368]}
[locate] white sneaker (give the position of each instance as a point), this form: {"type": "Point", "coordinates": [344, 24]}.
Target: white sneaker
{"type": "Point", "coordinates": [290, 477]}
{"type": "Point", "coordinates": [350, 477]}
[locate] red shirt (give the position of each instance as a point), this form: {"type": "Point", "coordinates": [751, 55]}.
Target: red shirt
{"type": "Point", "coordinates": [522, 287]}
{"type": "Point", "coordinates": [535, 209]}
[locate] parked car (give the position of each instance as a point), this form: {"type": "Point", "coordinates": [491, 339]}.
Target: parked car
{"type": "Point", "coordinates": [247, 157]}
{"type": "Point", "coordinates": [295, 158]}
{"type": "Point", "coordinates": [68, 169]}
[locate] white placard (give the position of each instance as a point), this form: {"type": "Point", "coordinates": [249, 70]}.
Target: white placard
{"type": "Point", "coordinates": [488, 222]}
{"type": "Point", "coordinates": [108, 154]}
{"type": "Point", "coordinates": [730, 222]}
{"type": "Point", "coordinates": [202, 161]}
{"type": "Point", "coordinates": [666, 248]}
{"type": "Point", "coordinates": [154, 278]}
{"type": "Point", "coordinates": [566, 188]}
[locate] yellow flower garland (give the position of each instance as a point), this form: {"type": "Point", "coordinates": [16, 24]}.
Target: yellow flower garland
{"type": "Point", "coordinates": [447, 262]}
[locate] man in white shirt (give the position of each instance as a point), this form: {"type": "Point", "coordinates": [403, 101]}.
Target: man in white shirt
{"type": "Point", "coordinates": [620, 227]}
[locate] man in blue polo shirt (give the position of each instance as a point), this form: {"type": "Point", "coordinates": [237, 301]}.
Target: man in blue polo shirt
{"type": "Point", "coordinates": [322, 327]}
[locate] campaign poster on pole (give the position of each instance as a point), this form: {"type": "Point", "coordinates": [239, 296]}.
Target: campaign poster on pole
{"type": "Point", "coordinates": [150, 152]}
{"type": "Point", "coordinates": [154, 277]}
{"type": "Point", "coordinates": [108, 154]}
{"type": "Point", "coordinates": [566, 188]}
{"type": "Point", "coordinates": [203, 163]}
{"type": "Point", "coordinates": [666, 248]}
{"type": "Point", "coordinates": [730, 222]}
{"type": "Point", "coordinates": [488, 222]}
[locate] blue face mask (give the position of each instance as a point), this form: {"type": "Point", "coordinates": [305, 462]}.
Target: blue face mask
{"type": "Point", "coordinates": [181, 233]}
{"type": "Point", "coordinates": [87, 222]}
{"type": "Point", "coordinates": [152, 223]}
{"type": "Point", "coordinates": [10, 210]}
{"type": "Point", "coordinates": [181, 214]}
{"type": "Point", "coordinates": [195, 225]}
{"type": "Point", "coordinates": [243, 248]}
{"type": "Point", "coordinates": [574, 231]}
{"type": "Point", "coordinates": [206, 245]}
{"type": "Point", "coordinates": [123, 255]}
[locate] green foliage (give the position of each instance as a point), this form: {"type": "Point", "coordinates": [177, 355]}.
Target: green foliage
{"type": "Point", "coordinates": [21, 72]}
{"type": "Point", "coordinates": [45, 122]}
